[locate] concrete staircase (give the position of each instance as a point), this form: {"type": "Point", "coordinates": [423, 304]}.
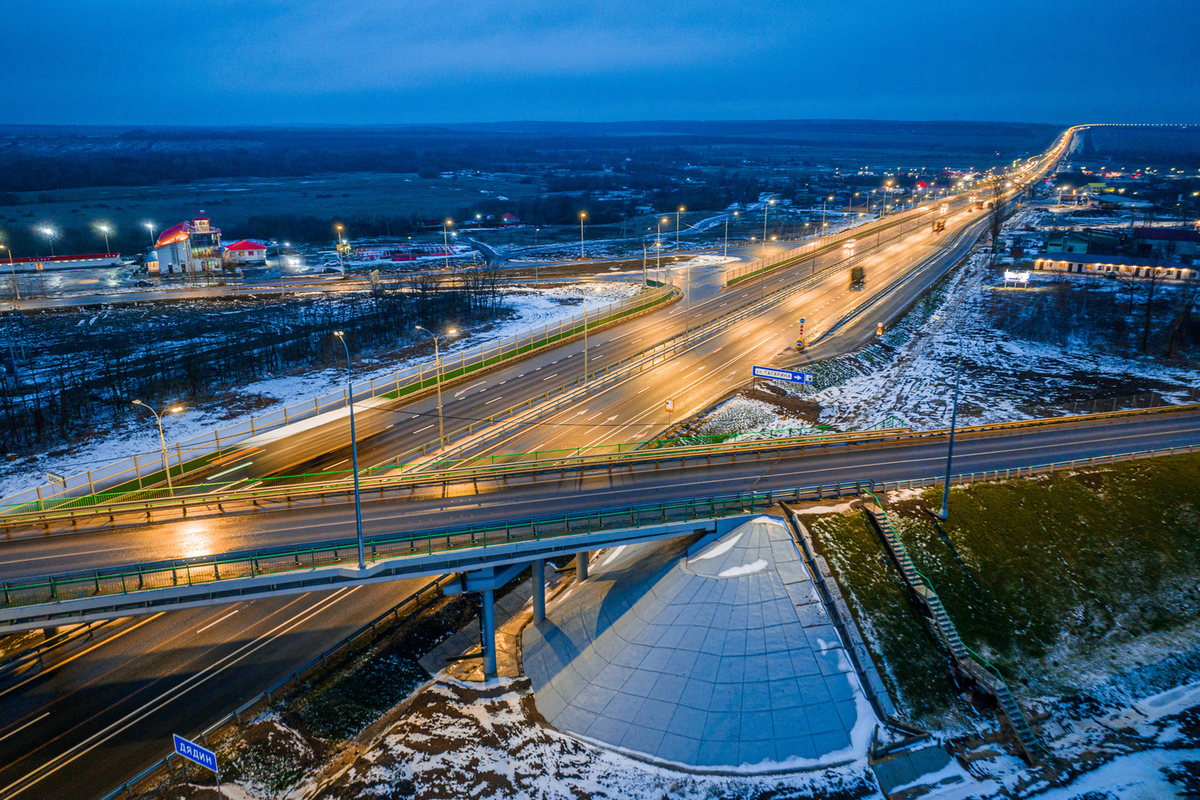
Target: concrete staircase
{"type": "Point", "coordinates": [967, 663]}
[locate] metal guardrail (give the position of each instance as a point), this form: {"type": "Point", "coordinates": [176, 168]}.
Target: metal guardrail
{"type": "Point", "coordinates": [297, 675]}
{"type": "Point", "coordinates": [141, 470]}
{"type": "Point", "coordinates": [442, 472]}
{"type": "Point", "coordinates": [211, 570]}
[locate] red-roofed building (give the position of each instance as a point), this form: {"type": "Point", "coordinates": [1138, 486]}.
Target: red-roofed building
{"type": "Point", "coordinates": [509, 219]}
{"type": "Point", "coordinates": [244, 251]}
{"type": "Point", "coordinates": [193, 246]}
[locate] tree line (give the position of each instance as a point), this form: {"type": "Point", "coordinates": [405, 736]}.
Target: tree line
{"type": "Point", "coordinates": [71, 386]}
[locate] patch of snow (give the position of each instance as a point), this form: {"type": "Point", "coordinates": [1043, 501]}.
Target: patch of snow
{"type": "Point", "coordinates": [744, 569]}
{"type": "Point", "coordinates": [717, 548]}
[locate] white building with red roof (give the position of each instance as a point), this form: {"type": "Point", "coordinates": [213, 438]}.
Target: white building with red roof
{"type": "Point", "coordinates": [244, 251]}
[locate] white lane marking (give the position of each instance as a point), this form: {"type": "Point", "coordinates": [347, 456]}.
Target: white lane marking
{"type": "Point", "coordinates": [488, 402]}
{"type": "Point", "coordinates": [548, 377]}
{"type": "Point", "coordinates": [231, 469]}
{"type": "Point", "coordinates": [219, 619]}
{"type": "Point", "coordinates": [62, 555]}
{"type": "Point", "coordinates": [115, 728]}
{"type": "Point", "coordinates": [26, 725]}
{"type": "Point", "coordinates": [338, 464]}
{"type": "Point", "coordinates": [469, 388]}
{"type": "Point", "coordinates": [427, 427]}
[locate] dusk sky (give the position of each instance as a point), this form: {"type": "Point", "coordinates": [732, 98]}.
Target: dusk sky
{"type": "Point", "coordinates": [382, 61]}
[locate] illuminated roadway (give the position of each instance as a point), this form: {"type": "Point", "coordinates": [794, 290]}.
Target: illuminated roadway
{"type": "Point", "coordinates": [65, 733]}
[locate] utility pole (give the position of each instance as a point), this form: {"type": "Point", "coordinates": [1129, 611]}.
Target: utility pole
{"type": "Point", "coordinates": [585, 326]}
{"type": "Point", "coordinates": [362, 561]}
{"type": "Point", "coordinates": [762, 279]}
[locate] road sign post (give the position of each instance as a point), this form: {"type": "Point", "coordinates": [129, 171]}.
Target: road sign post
{"type": "Point", "coordinates": [199, 755]}
{"type": "Point", "coordinates": [783, 375]}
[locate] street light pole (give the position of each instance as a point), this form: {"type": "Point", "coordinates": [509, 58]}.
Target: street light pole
{"type": "Point", "coordinates": [362, 561]}
{"type": "Point", "coordinates": [162, 440]}
{"type": "Point", "coordinates": [341, 264]}
{"type": "Point", "coordinates": [762, 279]}
{"type": "Point", "coordinates": [726, 236]}
{"type": "Point", "coordinates": [437, 363]}
{"type": "Point", "coordinates": [677, 213]}
{"type": "Point", "coordinates": [446, 241]}
{"type": "Point", "coordinates": [582, 214]}
{"type": "Point", "coordinates": [945, 512]}
{"type": "Point", "coordinates": [105, 230]}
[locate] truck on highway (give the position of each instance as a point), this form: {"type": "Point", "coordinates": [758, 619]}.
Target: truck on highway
{"type": "Point", "coordinates": [858, 276]}
{"type": "Point", "coordinates": [939, 225]}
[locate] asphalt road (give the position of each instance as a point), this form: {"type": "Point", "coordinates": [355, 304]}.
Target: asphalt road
{"type": "Point", "coordinates": [471, 504]}
{"type": "Point", "coordinates": [387, 429]}
{"type": "Point", "coordinates": [98, 714]}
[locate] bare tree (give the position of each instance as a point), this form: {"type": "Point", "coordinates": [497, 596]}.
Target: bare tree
{"type": "Point", "coordinates": [1183, 316]}
{"type": "Point", "coordinates": [1151, 282]}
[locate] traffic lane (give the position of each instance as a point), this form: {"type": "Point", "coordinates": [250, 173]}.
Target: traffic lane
{"type": "Point", "coordinates": [461, 504]}
{"type": "Point", "coordinates": [629, 413]}
{"type": "Point", "coordinates": [177, 673]}
{"type": "Point", "coordinates": [327, 447]}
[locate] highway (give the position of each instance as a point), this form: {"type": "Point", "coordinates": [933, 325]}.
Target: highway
{"type": "Point", "coordinates": [95, 717]}
{"type": "Point", "coordinates": [386, 429]}
{"type": "Point", "coordinates": [98, 714]}
{"type": "Point", "coordinates": [468, 503]}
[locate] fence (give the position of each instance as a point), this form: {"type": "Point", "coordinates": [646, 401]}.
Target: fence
{"type": "Point", "coordinates": [210, 570]}
{"type": "Point", "coordinates": [446, 470]}
{"type": "Point", "coordinates": [141, 470]}
{"type": "Point", "coordinates": [295, 678]}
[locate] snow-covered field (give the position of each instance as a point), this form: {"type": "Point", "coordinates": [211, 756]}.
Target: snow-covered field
{"type": "Point", "coordinates": [458, 740]}
{"type": "Point", "coordinates": [532, 309]}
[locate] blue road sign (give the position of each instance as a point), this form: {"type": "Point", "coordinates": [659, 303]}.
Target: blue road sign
{"type": "Point", "coordinates": [194, 752]}
{"type": "Point", "coordinates": [782, 375]}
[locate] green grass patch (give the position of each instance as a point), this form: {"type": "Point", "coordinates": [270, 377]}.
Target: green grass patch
{"type": "Point", "coordinates": [1053, 579]}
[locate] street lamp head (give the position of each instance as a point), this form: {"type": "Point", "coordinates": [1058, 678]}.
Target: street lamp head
{"type": "Point", "coordinates": [682, 209]}
{"type": "Point", "coordinates": [175, 409]}
{"type": "Point", "coordinates": [46, 231]}
{"type": "Point", "coordinates": [452, 331]}
{"type": "Point", "coordinates": [140, 403]}
{"type": "Point", "coordinates": [339, 334]}
{"type": "Point", "coordinates": [582, 214]}
{"type": "Point", "coordinates": [103, 228]}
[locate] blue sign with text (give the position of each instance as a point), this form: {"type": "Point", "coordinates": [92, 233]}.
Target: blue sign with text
{"type": "Point", "coordinates": [194, 752]}
{"type": "Point", "coordinates": [782, 375]}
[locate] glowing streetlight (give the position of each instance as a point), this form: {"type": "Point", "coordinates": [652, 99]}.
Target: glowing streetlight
{"type": "Point", "coordinates": [678, 211]}
{"type": "Point", "coordinates": [106, 230]}
{"type": "Point", "coordinates": [446, 240]}
{"type": "Point", "coordinates": [162, 439]}
{"type": "Point", "coordinates": [50, 235]}
{"type": "Point", "coordinates": [437, 362]}
{"type": "Point", "coordinates": [341, 264]}
{"type": "Point", "coordinates": [362, 561]}
{"type": "Point", "coordinates": [582, 216]}
{"type": "Point", "coordinates": [149, 225]}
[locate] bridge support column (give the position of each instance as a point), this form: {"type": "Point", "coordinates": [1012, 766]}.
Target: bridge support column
{"type": "Point", "coordinates": [581, 565]}
{"type": "Point", "coordinates": [489, 633]}
{"type": "Point", "coordinates": [539, 590]}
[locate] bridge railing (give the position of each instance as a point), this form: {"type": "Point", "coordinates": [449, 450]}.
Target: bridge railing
{"type": "Point", "coordinates": [216, 496]}
{"type": "Point", "coordinates": [127, 579]}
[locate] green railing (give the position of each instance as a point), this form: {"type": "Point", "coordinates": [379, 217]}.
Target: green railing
{"type": "Point", "coordinates": [123, 580]}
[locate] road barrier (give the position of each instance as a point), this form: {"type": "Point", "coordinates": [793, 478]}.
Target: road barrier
{"type": "Point", "coordinates": [142, 470]}
{"type": "Point", "coordinates": [212, 570]}
{"type": "Point", "coordinates": [442, 473]}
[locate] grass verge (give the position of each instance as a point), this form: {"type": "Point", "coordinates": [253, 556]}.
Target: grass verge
{"type": "Point", "coordinates": [1061, 581]}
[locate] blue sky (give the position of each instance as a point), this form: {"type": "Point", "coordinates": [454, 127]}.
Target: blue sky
{"type": "Point", "coordinates": [410, 61]}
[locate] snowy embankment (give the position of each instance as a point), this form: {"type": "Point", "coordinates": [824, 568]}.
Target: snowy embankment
{"type": "Point", "coordinates": [531, 309]}
{"type": "Point", "coordinates": [909, 375]}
